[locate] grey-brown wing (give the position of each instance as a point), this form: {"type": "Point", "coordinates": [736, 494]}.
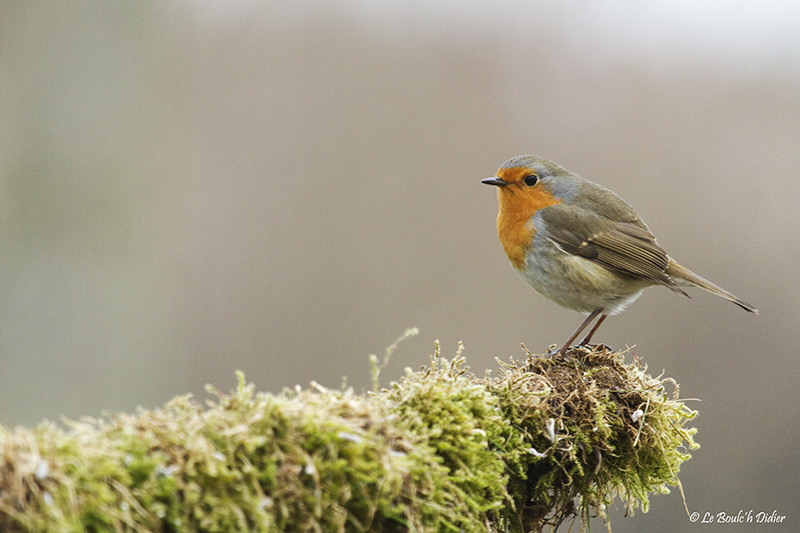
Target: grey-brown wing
{"type": "Point", "coordinates": [619, 246]}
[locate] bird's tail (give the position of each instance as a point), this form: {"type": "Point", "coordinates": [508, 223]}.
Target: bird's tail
{"type": "Point", "coordinates": [682, 274]}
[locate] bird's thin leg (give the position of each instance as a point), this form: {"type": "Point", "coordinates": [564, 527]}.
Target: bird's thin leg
{"type": "Point", "coordinates": [592, 316]}
{"type": "Point", "coordinates": [588, 336]}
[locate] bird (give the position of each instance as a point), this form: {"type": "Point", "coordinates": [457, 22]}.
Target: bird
{"type": "Point", "coordinates": [580, 245]}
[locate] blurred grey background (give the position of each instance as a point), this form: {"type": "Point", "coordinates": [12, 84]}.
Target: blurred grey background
{"type": "Point", "coordinates": [191, 188]}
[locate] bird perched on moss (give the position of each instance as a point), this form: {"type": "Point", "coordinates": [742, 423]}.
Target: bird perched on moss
{"type": "Point", "coordinates": [581, 245]}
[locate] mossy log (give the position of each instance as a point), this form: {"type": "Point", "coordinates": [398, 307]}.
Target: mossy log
{"type": "Point", "coordinates": [550, 439]}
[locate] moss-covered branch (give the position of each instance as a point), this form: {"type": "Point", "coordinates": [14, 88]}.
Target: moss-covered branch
{"type": "Point", "coordinates": [548, 440]}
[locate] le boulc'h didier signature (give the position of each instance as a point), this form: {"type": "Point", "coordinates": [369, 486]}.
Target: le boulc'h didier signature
{"type": "Point", "coordinates": [742, 517]}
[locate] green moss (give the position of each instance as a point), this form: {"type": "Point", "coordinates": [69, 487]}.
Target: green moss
{"type": "Point", "coordinates": [440, 450]}
{"type": "Point", "coordinates": [457, 419]}
{"type": "Point", "coordinates": [597, 429]}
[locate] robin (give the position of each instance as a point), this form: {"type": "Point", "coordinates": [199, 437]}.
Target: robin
{"type": "Point", "coordinates": [581, 245]}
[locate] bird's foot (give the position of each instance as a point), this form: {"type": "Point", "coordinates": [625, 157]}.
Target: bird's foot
{"type": "Point", "coordinates": [600, 347]}
{"type": "Point", "coordinates": [567, 353]}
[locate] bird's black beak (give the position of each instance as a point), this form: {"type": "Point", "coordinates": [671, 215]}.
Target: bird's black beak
{"type": "Point", "coordinates": [495, 181]}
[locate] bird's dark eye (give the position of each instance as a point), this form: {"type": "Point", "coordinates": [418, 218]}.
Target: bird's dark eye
{"type": "Point", "coordinates": [531, 180]}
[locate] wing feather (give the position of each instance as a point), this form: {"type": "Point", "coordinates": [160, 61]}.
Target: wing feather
{"type": "Point", "coordinates": [623, 247]}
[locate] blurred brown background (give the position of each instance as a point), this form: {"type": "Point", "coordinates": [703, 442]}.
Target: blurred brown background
{"type": "Point", "coordinates": [192, 188]}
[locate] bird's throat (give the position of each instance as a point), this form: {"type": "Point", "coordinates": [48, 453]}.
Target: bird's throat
{"type": "Point", "coordinates": [514, 226]}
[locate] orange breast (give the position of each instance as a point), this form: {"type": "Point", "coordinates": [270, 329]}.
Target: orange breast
{"type": "Point", "coordinates": [518, 203]}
